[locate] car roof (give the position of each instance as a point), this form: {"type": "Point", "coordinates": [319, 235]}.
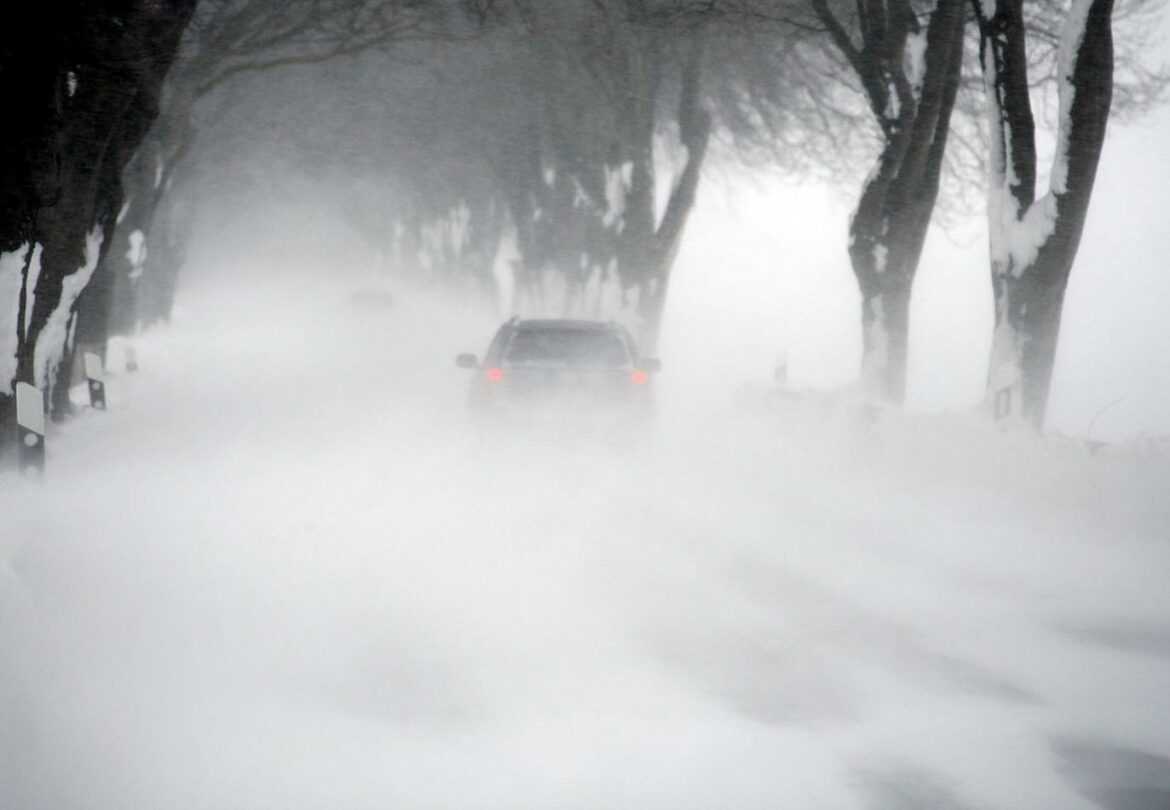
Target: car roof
{"type": "Point", "coordinates": [567, 323]}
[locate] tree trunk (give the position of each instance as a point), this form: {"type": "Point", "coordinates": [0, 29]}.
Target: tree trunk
{"type": "Point", "coordinates": [888, 228]}
{"type": "Point", "coordinates": [107, 305]}
{"type": "Point", "coordinates": [1034, 241]}
{"type": "Point", "coordinates": [1023, 350]}
{"type": "Point", "coordinates": [694, 129]}
{"type": "Point", "coordinates": [668, 237]}
{"type": "Point", "coordinates": [885, 326]}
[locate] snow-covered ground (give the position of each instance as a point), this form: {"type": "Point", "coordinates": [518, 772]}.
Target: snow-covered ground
{"type": "Point", "coordinates": [282, 572]}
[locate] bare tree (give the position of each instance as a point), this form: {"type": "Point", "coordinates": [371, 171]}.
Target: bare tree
{"type": "Point", "coordinates": [81, 102]}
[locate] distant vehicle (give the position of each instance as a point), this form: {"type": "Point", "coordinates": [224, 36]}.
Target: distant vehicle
{"type": "Point", "coordinates": [562, 372]}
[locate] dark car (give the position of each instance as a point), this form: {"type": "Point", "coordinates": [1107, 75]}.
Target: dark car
{"type": "Point", "coordinates": [562, 371]}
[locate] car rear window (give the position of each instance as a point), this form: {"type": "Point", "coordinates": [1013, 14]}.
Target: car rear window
{"type": "Point", "coordinates": [583, 348]}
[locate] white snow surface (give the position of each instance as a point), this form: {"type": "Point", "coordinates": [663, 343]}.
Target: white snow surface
{"type": "Point", "coordinates": [282, 571]}
{"type": "Point", "coordinates": [880, 253]}
{"type": "Point", "coordinates": [10, 266]}
{"type": "Point", "coordinates": [914, 61]}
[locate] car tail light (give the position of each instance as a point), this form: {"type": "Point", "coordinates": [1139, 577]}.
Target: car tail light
{"type": "Point", "coordinates": [639, 377]}
{"type": "Point", "coordinates": [494, 373]}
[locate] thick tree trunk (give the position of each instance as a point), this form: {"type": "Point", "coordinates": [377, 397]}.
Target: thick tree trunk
{"type": "Point", "coordinates": [32, 82]}
{"type": "Point", "coordinates": [1034, 241]}
{"type": "Point", "coordinates": [694, 128]}
{"type": "Point", "coordinates": [668, 238]}
{"type": "Point", "coordinates": [884, 251]}
{"type": "Point", "coordinates": [1023, 350]}
{"type": "Point", "coordinates": [912, 103]}
{"type": "Point", "coordinates": [88, 324]}
{"type": "Point", "coordinates": [107, 306]}
{"type": "Point", "coordinates": [885, 329]}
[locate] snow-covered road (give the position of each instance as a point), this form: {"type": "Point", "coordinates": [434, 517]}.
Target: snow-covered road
{"type": "Point", "coordinates": [282, 572]}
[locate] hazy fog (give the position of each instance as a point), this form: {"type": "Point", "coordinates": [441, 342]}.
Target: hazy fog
{"type": "Point", "coordinates": [285, 571]}
{"type": "Point", "coordinates": [291, 575]}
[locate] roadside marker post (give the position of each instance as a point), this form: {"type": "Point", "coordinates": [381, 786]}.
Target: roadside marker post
{"type": "Point", "coordinates": [96, 379]}
{"type": "Point", "coordinates": [131, 358]}
{"type": "Point", "coordinates": [30, 429]}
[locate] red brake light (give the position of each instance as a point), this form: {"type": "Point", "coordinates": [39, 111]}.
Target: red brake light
{"type": "Point", "coordinates": [494, 373]}
{"type": "Point", "coordinates": [640, 377]}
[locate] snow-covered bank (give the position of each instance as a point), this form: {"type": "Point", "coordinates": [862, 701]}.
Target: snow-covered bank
{"type": "Point", "coordinates": [286, 574]}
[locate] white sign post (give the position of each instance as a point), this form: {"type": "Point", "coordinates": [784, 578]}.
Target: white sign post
{"type": "Point", "coordinates": [95, 375]}
{"type": "Point", "coordinates": [30, 428]}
